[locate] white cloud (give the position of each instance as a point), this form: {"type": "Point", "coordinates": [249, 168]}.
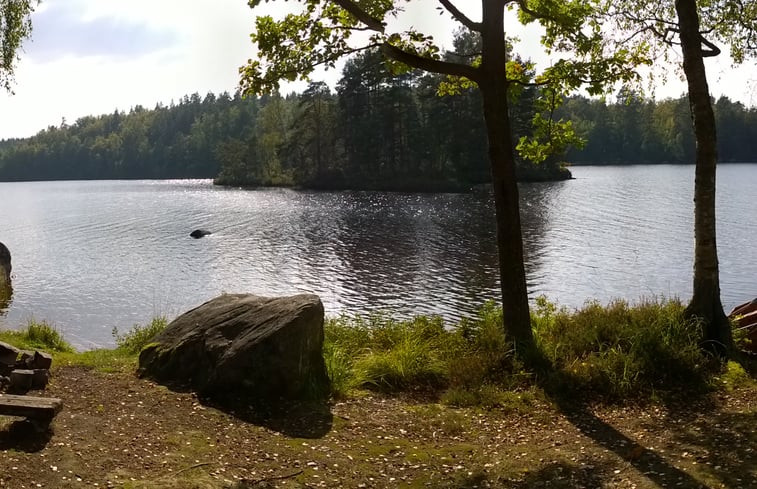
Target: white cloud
{"type": "Point", "coordinates": [95, 56]}
{"type": "Point", "coordinates": [90, 57]}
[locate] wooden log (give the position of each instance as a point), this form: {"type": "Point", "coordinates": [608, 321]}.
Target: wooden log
{"type": "Point", "coordinates": [41, 408]}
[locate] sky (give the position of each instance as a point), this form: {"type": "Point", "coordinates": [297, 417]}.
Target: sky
{"type": "Point", "coordinates": [91, 57]}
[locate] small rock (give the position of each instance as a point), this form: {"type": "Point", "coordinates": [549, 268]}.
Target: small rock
{"type": "Point", "coordinates": [199, 233]}
{"type": "Point", "coordinates": [41, 360]}
{"type": "Point", "coordinates": [8, 354]}
{"type": "Point", "coordinates": [40, 378]}
{"type": "Point", "coordinates": [21, 380]}
{"type": "Point", "coordinates": [25, 359]}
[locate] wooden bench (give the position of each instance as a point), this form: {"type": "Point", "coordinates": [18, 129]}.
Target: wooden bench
{"type": "Point", "coordinates": [39, 410]}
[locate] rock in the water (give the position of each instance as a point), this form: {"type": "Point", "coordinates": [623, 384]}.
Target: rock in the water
{"type": "Point", "coordinates": [199, 233]}
{"type": "Point", "coordinates": [262, 348]}
{"type": "Point", "coordinates": [5, 266]}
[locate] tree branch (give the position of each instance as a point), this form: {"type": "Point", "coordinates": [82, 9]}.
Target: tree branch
{"type": "Point", "coordinates": [356, 11]}
{"type": "Point", "coordinates": [461, 17]}
{"type": "Point", "coordinates": [712, 51]}
{"type": "Point", "coordinates": [428, 64]}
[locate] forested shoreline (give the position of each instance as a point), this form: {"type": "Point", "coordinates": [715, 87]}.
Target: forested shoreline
{"type": "Point", "coordinates": [374, 131]}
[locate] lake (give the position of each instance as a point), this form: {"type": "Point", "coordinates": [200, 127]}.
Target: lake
{"type": "Point", "coordinates": [91, 256]}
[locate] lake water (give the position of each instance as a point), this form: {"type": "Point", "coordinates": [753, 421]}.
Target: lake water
{"type": "Point", "coordinates": [90, 256]}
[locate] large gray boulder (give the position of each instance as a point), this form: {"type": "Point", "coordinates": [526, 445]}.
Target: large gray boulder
{"type": "Point", "coordinates": [5, 267]}
{"type": "Point", "coordinates": [240, 345]}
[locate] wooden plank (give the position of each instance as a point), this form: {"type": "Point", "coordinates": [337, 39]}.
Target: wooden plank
{"type": "Point", "coordinates": [30, 406]}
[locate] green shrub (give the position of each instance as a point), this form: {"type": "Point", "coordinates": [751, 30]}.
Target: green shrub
{"type": "Point", "coordinates": [613, 352]}
{"type": "Point", "coordinates": [741, 336]}
{"type": "Point", "coordinates": [139, 336]}
{"type": "Point", "coordinates": [620, 351]}
{"type": "Point", "coordinates": [481, 355]}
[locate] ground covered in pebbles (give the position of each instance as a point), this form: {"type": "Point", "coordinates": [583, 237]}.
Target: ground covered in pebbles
{"type": "Point", "coordinates": [120, 431]}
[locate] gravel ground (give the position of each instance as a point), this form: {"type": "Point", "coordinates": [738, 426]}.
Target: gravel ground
{"type": "Point", "coordinates": [120, 431]}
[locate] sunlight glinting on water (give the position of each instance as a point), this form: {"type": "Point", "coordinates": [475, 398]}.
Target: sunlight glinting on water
{"type": "Point", "coordinates": [89, 256]}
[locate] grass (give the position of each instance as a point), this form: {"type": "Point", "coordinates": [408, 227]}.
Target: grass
{"type": "Point", "coordinates": [612, 352]}
{"type": "Point", "coordinates": [620, 351]}
{"type": "Point", "coordinates": [42, 336]}
{"type": "Point", "coordinates": [37, 336]}
{"type": "Point", "coordinates": [139, 336]}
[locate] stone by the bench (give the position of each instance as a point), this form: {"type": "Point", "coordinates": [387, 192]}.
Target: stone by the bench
{"type": "Point", "coordinates": [41, 361]}
{"type": "Point", "coordinates": [40, 378]}
{"type": "Point", "coordinates": [21, 380]}
{"type": "Point", "coordinates": [34, 408]}
{"type": "Point", "coordinates": [8, 354]}
{"type": "Point", "coordinates": [24, 359]}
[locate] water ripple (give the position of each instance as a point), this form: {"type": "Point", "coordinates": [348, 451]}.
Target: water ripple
{"type": "Point", "coordinates": [93, 255]}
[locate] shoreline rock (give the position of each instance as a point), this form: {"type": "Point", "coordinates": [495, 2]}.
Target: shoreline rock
{"type": "Point", "coordinates": [5, 267]}
{"type": "Point", "coordinates": [266, 349]}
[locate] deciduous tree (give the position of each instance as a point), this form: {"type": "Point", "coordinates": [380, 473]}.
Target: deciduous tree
{"type": "Point", "coordinates": [322, 32]}
{"type": "Point", "coordinates": [15, 26]}
{"type": "Point", "coordinates": [698, 27]}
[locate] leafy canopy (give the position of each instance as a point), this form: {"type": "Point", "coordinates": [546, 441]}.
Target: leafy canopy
{"type": "Point", "coordinates": [322, 32]}
{"type": "Point", "coordinates": [15, 26]}
{"type": "Point", "coordinates": [731, 23]}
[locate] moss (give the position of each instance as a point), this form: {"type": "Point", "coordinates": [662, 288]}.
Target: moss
{"type": "Point", "coordinates": [734, 377]}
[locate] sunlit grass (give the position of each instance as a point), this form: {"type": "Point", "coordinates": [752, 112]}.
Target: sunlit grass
{"type": "Point", "coordinates": [42, 336]}
{"type": "Point", "coordinates": [612, 352]}
{"type": "Point", "coordinates": [139, 336]}
{"type": "Point", "coordinates": [37, 335]}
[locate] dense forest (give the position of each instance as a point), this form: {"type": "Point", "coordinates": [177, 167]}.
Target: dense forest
{"type": "Point", "coordinates": [637, 130]}
{"type": "Point", "coordinates": [374, 130]}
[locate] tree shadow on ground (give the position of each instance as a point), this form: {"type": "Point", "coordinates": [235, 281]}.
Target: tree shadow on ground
{"type": "Point", "coordinates": [296, 419]}
{"type": "Point", "coordinates": [648, 462]}
{"type": "Point", "coordinates": [562, 475]}
{"type": "Point", "coordinates": [578, 411]}
{"type": "Point", "coordinates": [582, 475]}
{"type": "Point", "coordinates": [23, 436]}
{"type": "Point", "coordinates": [724, 445]}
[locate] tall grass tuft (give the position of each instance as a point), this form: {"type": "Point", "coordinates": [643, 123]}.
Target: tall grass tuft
{"type": "Point", "coordinates": [378, 352]}
{"type": "Point", "coordinates": [339, 368]}
{"type": "Point", "coordinates": [620, 351]}
{"type": "Point", "coordinates": [139, 336]}
{"type": "Point", "coordinates": [37, 335]}
{"type": "Point", "coordinates": [611, 352]}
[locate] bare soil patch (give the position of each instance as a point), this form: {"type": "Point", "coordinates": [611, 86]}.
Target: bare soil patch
{"type": "Point", "coordinates": [119, 431]}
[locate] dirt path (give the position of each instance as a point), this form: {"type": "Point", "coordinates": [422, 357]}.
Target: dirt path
{"type": "Point", "coordinates": [119, 431]}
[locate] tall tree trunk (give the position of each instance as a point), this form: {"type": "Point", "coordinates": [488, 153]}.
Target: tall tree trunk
{"type": "Point", "coordinates": [705, 302]}
{"type": "Point", "coordinates": [517, 320]}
